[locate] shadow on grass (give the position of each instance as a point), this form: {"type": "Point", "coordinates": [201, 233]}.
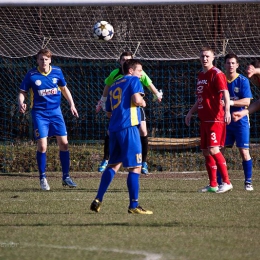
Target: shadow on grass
{"type": "Point", "coordinates": [123, 224]}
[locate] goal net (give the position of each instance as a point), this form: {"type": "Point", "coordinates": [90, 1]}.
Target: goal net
{"type": "Point", "coordinates": [152, 32]}
{"type": "Point", "coordinates": [167, 39]}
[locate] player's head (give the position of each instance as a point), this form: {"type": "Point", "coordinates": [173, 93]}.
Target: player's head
{"type": "Point", "coordinates": [231, 63]}
{"type": "Point", "coordinates": [126, 55]}
{"type": "Point", "coordinates": [44, 60]}
{"type": "Point", "coordinates": [133, 67]}
{"type": "Point", "coordinates": [206, 57]}
{"type": "Point", "coordinates": [45, 52]}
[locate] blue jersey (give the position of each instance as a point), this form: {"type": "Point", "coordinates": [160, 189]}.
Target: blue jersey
{"type": "Point", "coordinates": [44, 88]}
{"type": "Point", "coordinates": [119, 101]}
{"type": "Point", "coordinates": [239, 88]}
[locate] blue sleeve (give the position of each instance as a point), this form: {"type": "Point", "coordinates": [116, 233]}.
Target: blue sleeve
{"type": "Point", "coordinates": [25, 85]}
{"type": "Point", "coordinates": [137, 87]}
{"type": "Point", "coordinates": [246, 90]}
{"type": "Point", "coordinates": [62, 82]}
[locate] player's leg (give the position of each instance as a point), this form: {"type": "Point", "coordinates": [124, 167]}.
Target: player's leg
{"type": "Point", "coordinates": [102, 166]}
{"type": "Point", "coordinates": [209, 160]}
{"type": "Point", "coordinates": [229, 142]}
{"type": "Point", "coordinates": [242, 142]}
{"type": "Point", "coordinates": [41, 128]}
{"type": "Point", "coordinates": [109, 173]}
{"type": "Point", "coordinates": [132, 160]}
{"type": "Point", "coordinates": [58, 128]}
{"type": "Point", "coordinates": [65, 161]}
{"type": "Point", "coordinates": [144, 142]}
{"type": "Point", "coordinates": [211, 170]}
{"type": "Point", "coordinates": [216, 140]}
{"type": "Point", "coordinates": [247, 167]}
{"type": "Point", "coordinates": [42, 162]}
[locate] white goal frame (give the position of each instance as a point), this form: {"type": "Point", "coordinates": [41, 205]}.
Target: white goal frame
{"type": "Point", "coordinates": [115, 2]}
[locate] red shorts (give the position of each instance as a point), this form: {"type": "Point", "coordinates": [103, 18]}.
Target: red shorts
{"type": "Point", "coordinates": [212, 134]}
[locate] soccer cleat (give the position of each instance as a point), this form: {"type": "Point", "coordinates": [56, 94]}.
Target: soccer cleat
{"type": "Point", "coordinates": [102, 166]}
{"type": "Point", "coordinates": [140, 210]}
{"type": "Point", "coordinates": [248, 186]}
{"type": "Point", "coordinates": [144, 169]}
{"type": "Point", "coordinates": [44, 184]}
{"type": "Point", "coordinates": [208, 188]}
{"type": "Point", "coordinates": [69, 182]}
{"type": "Point", "coordinates": [225, 187]}
{"type": "Point", "coordinates": [95, 205]}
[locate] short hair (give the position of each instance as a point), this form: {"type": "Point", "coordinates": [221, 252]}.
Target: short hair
{"type": "Point", "coordinates": [45, 52]}
{"type": "Point", "coordinates": [231, 56]}
{"type": "Point", "coordinates": [130, 64]}
{"type": "Point", "coordinates": [126, 53]}
{"type": "Point", "coordinates": [207, 48]}
{"type": "Point", "coordinates": [255, 63]}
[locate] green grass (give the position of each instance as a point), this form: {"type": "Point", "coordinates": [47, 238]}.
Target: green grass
{"type": "Point", "coordinates": [186, 225]}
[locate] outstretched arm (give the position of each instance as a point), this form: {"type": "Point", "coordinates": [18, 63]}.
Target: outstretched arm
{"type": "Point", "coordinates": [253, 73]}
{"type": "Point", "coordinates": [251, 109]}
{"type": "Point", "coordinates": [102, 102]}
{"type": "Point", "coordinates": [157, 94]}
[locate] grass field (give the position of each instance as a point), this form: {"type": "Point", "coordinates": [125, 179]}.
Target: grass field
{"type": "Point", "coordinates": [185, 225]}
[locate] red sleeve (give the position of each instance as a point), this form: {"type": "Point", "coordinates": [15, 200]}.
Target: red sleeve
{"type": "Point", "coordinates": [221, 81]}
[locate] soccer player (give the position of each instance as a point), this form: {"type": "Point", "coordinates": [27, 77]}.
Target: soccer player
{"type": "Point", "coordinates": [211, 88]}
{"type": "Point", "coordinates": [46, 83]}
{"type": "Point", "coordinates": [239, 132]}
{"type": "Point", "coordinates": [147, 82]}
{"type": "Point", "coordinates": [123, 107]}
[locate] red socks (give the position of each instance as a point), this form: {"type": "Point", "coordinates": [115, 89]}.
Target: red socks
{"type": "Point", "coordinates": [222, 166]}
{"type": "Point", "coordinates": [212, 170]}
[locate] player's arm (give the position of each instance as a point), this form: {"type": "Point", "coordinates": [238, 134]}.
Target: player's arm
{"type": "Point", "coordinates": [243, 102]}
{"type": "Point", "coordinates": [147, 82]}
{"type": "Point", "coordinates": [21, 105]}
{"type": "Point", "coordinates": [251, 109]}
{"type": "Point", "coordinates": [226, 98]}
{"type": "Point", "coordinates": [191, 111]}
{"type": "Point", "coordinates": [66, 93]}
{"type": "Point", "coordinates": [138, 100]}
{"type": "Point", "coordinates": [156, 93]}
{"type": "Point", "coordinates": [253, 74]}
{"type": "Point", "coordinates": [101, 103]}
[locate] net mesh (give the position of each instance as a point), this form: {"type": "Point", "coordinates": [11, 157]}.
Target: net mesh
{"type": "Point", "coordinates": [166, 38]}
{"type": "Point", "coordinates": [161, 32]}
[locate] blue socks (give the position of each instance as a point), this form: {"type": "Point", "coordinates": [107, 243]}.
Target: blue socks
{"type": "Point", "coordinates": [105, 181]}
{"type": "Point", "coordinates": [65, 163]}
{"type": "Point", "coordinates": [64, 159]}
{"type": "Point", "coordinates": [248, 168]}
{"type": "Point", "coordinates": [41, 161]}
{"type": "Point", "coordinates": [133, 189]}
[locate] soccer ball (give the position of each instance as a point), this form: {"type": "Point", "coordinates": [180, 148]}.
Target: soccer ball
{"type": "Point", "coordinates": [103, 31]}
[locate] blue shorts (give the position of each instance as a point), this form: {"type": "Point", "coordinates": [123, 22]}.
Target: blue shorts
{"type": "Point", "coordinates": [238, 134]}
{"type": "Point", "coordinates": [125, 147]}
{"type": "Point", "coordinates": [48, 123]}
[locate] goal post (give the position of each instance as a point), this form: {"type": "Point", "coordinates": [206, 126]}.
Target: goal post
{"type": "Point", "coordinates": [115, 2]}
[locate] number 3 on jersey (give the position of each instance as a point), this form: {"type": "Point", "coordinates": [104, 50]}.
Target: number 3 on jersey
{"type": "Point", "coordinates": [213, 137]}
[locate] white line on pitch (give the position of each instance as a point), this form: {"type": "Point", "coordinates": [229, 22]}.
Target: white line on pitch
{"type": "Point", "coordinates": [148, 256]}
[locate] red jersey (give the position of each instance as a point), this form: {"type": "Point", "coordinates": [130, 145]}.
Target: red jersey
{"type": "Point", "coordinates": [209, 94]}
